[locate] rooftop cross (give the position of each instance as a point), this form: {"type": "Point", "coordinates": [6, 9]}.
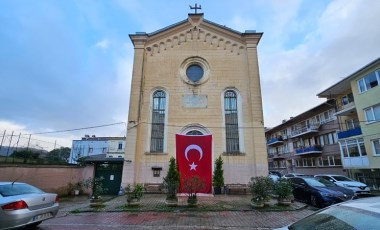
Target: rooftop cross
{"type": "Point", "coordinates": [195, 7]}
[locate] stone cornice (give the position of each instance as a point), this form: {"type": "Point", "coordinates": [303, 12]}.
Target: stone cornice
{"type": "Point", "coordinates": [138, 39]}
{"type": "Point", "coordinates": [196, 29]}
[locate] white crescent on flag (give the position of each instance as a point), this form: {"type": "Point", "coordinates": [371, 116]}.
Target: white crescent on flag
{"type": "Point", "coordinates": [195, 147]}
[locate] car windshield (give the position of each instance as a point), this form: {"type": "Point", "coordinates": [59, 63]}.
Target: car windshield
{"type": "Point", "coordinates": [314, 182]}
{"type": "Point", "coordinates": [17, 189]}
{"type": "Point", "coordinates": [341, 178]}
{"type": "Point", "coordinates": [339, 217]}
{"type": "Point", "coordinates": [325, 182]}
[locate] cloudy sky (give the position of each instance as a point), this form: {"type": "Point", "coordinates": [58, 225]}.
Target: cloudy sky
{"type": "Point", "coordinates": [67, 64]}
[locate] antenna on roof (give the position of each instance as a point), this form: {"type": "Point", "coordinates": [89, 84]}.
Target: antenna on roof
{"type": "Point", "coordinates": [16, 179]}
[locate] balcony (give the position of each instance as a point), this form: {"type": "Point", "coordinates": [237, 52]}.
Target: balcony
{"type": "Point", "coordinates": [350, 133]}
{"type": "Point", "coordinates": [355, 162]}
{"type": "Point", "coordinates": [278, 156]}
{"type": "Point", "coordinates": [309, 150]}
{"type": "Point", "coordinates": [311, 129]}
{"type": "Point", "coordinates": [345, 110]}
{"type": "Point", "coordinates": [275, 141]}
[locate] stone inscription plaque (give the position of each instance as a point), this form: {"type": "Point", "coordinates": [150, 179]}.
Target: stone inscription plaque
{"type": "Point", "coordinates": [194, 101]}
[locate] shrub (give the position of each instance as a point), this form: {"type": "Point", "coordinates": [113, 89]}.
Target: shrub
{"type": "Point", "coordinates": [260, 187]}
{"type": "Point", "coordinates": [135, 193]}
{"type": "Point", "coordinates": [192, 186]}
{"type": "Point", "coordinates": [283, 189]}
{"type": "Point", "coordinates": [171, 181]}
{"type": "Point", "coordinates": [96, 185]}
{"type": "Point", "coordinates": [218, 179]}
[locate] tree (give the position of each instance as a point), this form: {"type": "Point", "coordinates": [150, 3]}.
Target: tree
{"type": "Point", "coordinates": [218, 179]}
{"type": "Point", "coordinates": [59, 155]}
{"type": "Point", "coordinates": [192, 186]}
{"type": "Point", "coordinates": [25, 154]}
{"type": "Point", "coordinates": [171, 181]}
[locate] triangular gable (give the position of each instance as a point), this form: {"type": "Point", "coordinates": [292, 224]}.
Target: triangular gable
{"type": "Point", "coordinates": [196, 28]}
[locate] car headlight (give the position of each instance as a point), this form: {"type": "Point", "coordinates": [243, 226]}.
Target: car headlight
{"type": "Point", "coordinates": [350, 186]}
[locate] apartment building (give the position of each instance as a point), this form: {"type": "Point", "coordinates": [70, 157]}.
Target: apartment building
{"type": "Point", "coordinates": [307, 143]}
{"type": "Point", "coordinates": [106, 147]}
{"type": "Point", "coordinates": [358, 112]}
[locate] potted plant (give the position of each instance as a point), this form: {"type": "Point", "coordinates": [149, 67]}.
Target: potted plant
{"type": "Point", "coordinates": [97, 188]}
{"type": "Point", "coordinates": [78, 187]}
{"type": "Point", "coordinates": [260, 188]}
{"type": "Point", "coordinates": [171, 183]}
{"type": "Point", "coordinates": [284, 191]}
{"type": "Point", "coordinates": [134, 194]}
{"type": "Point", "coordinates": [217, 178]}
{"type": "Point", "coordinates": [192, 186]}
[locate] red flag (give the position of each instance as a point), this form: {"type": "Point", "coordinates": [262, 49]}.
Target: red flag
{"type": "Point", "coordinates": [194, 159]}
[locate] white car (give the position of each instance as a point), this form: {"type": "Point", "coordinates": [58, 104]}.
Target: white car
{"type": "Point", "coordinates": [291, 175]}
{"type": "Point", "coordinates": [356, 186]}
{"type": "Point", "coordinates": [354, 214]}
{"type": "Point", "coordinates": [274, 177]}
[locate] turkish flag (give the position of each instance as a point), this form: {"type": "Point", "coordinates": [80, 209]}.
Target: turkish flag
{"type": "Point", "coordinates": [194, 159]}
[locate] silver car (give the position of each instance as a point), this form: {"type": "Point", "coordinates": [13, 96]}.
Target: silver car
{"type": "Point", "coordinates": [22, 204]}
{"type": "Point", "coordinates": [357, 214]}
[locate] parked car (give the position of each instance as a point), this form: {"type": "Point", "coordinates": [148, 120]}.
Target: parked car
{"type": "Point", "coordinates": [354, 214]}
{"type": "Point", "coordinates": [357, 187]}
{"type": "Point", "coordinates": [22, 204]}
{"type": "Point", "coordinates": [276, 173]}
{"type": "Point", "coordinates": [275, 176]}
{"type": "Point", "coordinates": [318, 191]}
{"type": "Point", "coordinates": [291, 175]}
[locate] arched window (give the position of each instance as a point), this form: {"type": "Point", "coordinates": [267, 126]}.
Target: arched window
{"type": "Point", "coordinates": [158, 121]}
{"type": "Point", "coordinates": [194, 133]}
{"type": "Point", "coordinates": [231, 119]}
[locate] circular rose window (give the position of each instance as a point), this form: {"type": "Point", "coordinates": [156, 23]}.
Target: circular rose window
{"type": "Point", "coordinates": [195, 71]}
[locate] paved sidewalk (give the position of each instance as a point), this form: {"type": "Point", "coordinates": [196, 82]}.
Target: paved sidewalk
{"type": "Point", "coordinates": [219, 212]}
{"type": "Point", "coordinates": [176, 220]}
{"type": "Point", "coordinates": [156, 203]}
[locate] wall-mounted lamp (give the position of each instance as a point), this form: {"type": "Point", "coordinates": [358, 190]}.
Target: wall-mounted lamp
{"type": "Point", "coordinates": [156, 171]}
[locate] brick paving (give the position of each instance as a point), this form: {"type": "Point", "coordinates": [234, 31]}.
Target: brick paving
{"type": "Point", "coordinates": [219, 212]}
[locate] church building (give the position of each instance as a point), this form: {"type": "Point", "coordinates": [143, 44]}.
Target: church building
{"type": "Point", "coordinates": [195, 77]}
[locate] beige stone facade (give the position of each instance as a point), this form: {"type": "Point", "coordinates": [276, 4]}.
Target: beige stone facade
{"type": "Point", "coordinates": [229, 61]}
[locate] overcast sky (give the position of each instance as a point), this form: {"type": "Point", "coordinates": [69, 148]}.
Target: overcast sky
{"type": "Point", "coordinates": [68, 64]}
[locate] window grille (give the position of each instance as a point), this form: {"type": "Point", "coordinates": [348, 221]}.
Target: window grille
{"type": "Point", "coordinates": [231, 119]}
{"type": "Point", "coordinates": [158, 121]}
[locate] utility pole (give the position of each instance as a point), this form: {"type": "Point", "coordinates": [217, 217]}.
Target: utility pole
{"type": "Point", "coordinates": [9, 146]}
{"type": "Point", "coordinates": [18, 141]}
{"type": "Point", "coordinates": [27, 148]}
{"type": "Point", "coordinates": [1, 145]}
{"type": "Point", "coordinates": [13, 160]}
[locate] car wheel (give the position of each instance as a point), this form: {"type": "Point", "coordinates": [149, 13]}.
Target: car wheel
{"type": "Point", "coordinates": [314, 201]}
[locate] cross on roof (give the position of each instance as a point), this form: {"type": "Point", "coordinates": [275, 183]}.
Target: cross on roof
{"type": "Point", "coordinates": [195, 7]}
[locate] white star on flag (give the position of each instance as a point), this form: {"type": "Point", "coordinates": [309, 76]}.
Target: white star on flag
{"type": "Point", "coordinates": [193, 167]}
